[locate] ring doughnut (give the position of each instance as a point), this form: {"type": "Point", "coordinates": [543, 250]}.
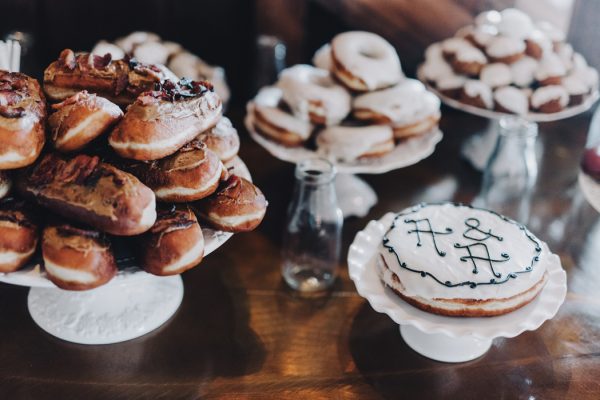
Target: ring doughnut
{"type": "Point", "coordinates": [322, 57]}
{"type": "Point", "coordinates": [223, 139]}
{"type": "Point", "coordinates": [348, 143]}
{"type": "Point", "coordinates": [408, 107]}
{"type": "Point", "coordinates": [364, 61]}
{"type": "Point", "coordinates": [276, 124]}
{"type": "Point", "coordinates": [18, 235]}
{"type": "Point", "coordinates": [80, 119]}
{"type": "Point", "coordinates": [77, 259]}
{"type": "Point", "coordinates": [313, 95]}
{"type": "Point", "coordinates": [174, 244]}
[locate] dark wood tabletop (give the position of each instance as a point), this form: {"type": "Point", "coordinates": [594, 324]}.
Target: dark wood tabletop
{"type": "Point", "coordinates": [241, 333]}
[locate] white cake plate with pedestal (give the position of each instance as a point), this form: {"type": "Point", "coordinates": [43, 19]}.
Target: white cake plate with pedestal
{"type": "Point", "coordinates": [354, 195]}
{"type": "Point", "coordinates": [440, 338]}
{"type": "Point", "coordinates": [132, 304]}
{"type": "Point", "coordinates": [478, 148]}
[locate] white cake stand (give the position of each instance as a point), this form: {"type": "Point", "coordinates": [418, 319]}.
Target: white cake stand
{"type": "Point", "coordinates": [447, 339]}
{"type": "Point", "coordinates": [478, 148]}
{"type": "Point", "coordinates": [354, 195]}
{"type": "Point", "coordinates": [132, 304]}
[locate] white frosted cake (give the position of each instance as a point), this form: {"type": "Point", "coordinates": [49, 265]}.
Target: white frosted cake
{"type": "Point", "coordinates": [457, 260]}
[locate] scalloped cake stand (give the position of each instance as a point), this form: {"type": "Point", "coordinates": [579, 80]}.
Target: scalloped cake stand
{"type": "Point", "coordinates": [440, 338]}
{"type": "Point", "coordinates": [354, 195]}
{"type": "Point", "coordinates": [132, 304]}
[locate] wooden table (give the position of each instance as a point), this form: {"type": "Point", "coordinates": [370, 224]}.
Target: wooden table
{"type": "Point", "coordinates": [240, 333]}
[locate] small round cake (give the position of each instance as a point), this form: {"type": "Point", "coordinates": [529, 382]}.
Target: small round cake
{"type": "Point", "coordinates": [457, 260]}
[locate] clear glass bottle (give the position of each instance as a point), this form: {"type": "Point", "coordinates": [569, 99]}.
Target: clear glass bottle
{"type": "Point", "coordinates": [511, 172]}
{"type": "Point", "coordinates": [312, 238]}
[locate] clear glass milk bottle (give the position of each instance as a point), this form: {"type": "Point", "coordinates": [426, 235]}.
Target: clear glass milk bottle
{"type": "Point", "coordinates": [312, 238]}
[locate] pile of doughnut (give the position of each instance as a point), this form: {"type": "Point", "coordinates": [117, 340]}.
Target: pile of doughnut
{"type": "Point", "coordinates": [354, 103]}
{"type": "Point", "coordinates": [149, 48]}
{"type": "Point", "coordinates": [507, 63]}
{"type": "Point", "coordinates": [115, 150]}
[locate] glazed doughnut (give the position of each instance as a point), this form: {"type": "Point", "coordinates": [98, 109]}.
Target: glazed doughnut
{"type": "Point", "coordinates": [576, 89]}
{"type": "Point", "coordinates": [550, 70]}
{"type": "Point", "coordinates": [537, 44]}
{"type": "Point", "coordinates": [222, 139]}
{"type": "Point", "coordinates": [511, 100]}
{"type": "Point", "coordinates": [313, 96]}
{"type": "Point", "coordinates": [18, 235]}
{"type": "Point", "coordinates": [468, 60]}
{"type": "Point", "coordinates": [238, 206]}
{"type": "Point", "coordinates": [496, 75]}
{"type": "Point", "coordinates": [523, 71]}
{"type": "Point", "coordinates": [505, 49]}
{"type": "Point", "coordinates": [479, 36]}
{"type": "Point", "coordinates": [174, 244]}
{"type": "Point", "coordinates": [349, 143]}
{"type": "Point", "coordinates": [408, 107]}
{"type": "Point", "coordinates": [192, 173]}
{"type": "Point", "coordinates": [129, 42]}
{"type": "Point", "coordinates": [549, 99]}
{"type": "Point", "coordinates": [515, 23]}
{"type": "Point", "coordinates": [322, 57]}
{"type": "Point", "coordinates": [556, 35]}
{"type": "Point", "coordinates": [364, 61]}
{"type": "Point", "coordinates": [452, 45]}
{"type": "Point", "coordinates": [276, 124]}
{"type": "Point", "coordinates": [80, 119]}
{"type": "Point", "coordinates": [22, 120]}
{"type": "Point", "coordinates": [5, 184]}
{"type": "Point", "coordinates": [478, 94]}
{"type": "Point", "coordinates": [119, 81]}
{"type": "Point", "coordinates": [450, 85]}
{"type": "Point", "coordinates": [77, 259]}
{"type": "Point", "coordinates": [86, 190]}
{"type": "Point", "coordinates": [160, 122]}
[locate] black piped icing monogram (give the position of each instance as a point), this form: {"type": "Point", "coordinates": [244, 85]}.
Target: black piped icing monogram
{"type": "Point", "coordinates": [476, 249]}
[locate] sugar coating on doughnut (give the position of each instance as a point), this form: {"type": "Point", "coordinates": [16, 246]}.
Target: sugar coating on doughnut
{"type": "Point", "coordinates": [367, 57]}
{"type": "Point", "coordinates": [496, 74]}
{"type": "Point", "coordinates": [512, 99]}
{"type": "Point", "coordinates": [477, 89]}
{"type": "Point", "coordinates": [546, 94]}
{"type": "Point", "coordinates": [502, 46]}
{"type": "Point", "coordinates": [523, 71]}
{"type": "Point", "coordinates": [322, 57]}
{"type": "Point", "coordinates": [406, 103]}
{"type": "Point", "coordinates": [308, 90]}
{"type": "Point", "coordinates": [550, 66]}
{"type": "Point", "coordinates": [347, 143]}
{"type": "Point", "coordinates": [515, 23]}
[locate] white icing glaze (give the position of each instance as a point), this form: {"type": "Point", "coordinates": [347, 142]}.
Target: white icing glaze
{"type": "Point", "coordinates": [574, 85]}
{"type": "Point", "coordinates": [540, 38]}
{"type": "Point", "coordinates": [454, 44]}
{"type": "Point", "coordinates": [406, 103]}
{"type": "Point", "coordinates": [103, 47]}
{"type": "Point", "coordinates": [474, 89]}
{"type": "Point", "coordinates": [587, 75]}
{"type": "Point", "coordinates": [523, 71]}
{"type": "Point", "coordinates": [515, 23]}
{"type": "Point", "coordinates": [495, 75]}
{"type": "Point", "coordinates": [579, 61]}
{"type": "Point", "coordinates": [322, 57]}
{"type": "Point", "coordinates": [555, 34]}
{"type": "Point", "coordinates": [488, 18]}
{"type": "Point", "coordinates": [470, 54]}
{"type": "Point", "coordinates": [549, 93]}
{"type": "Point", "coordinates": [434, 52]}
{"type": "Point", "coordinates": [481, 35]}
{"type": "Point", "coordinates": [501, 46]}
{"type": "Point", "coordinates": [128, 42]}
{"type": "Point", "coordinates": [433, 70]}
{"type": "Point", "coordinates": [307, 90]}
{"type": "Point", "coordinates": [565, 53]}
{"type": "Point", "coordinates": [369, 57]}
{"type": "Point", "coordinates": [515, 243]}
{"type": "Point", "coordinates": [550, 66]}
{"type": "Point", "coordinates": [512, 99]}
{"type": "Point", "coordinates": [266, 103]}
{"type": "Point", "coordinates": [151, 53]}
{"type": "Point", "coordinates": [449, 82]}
{"type": "Point", "coordinates": [347, 143]}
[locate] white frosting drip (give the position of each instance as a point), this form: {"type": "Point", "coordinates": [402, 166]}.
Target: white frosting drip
{"type": "Point", "coordinates": [308, 89]}
{"type": "Point", "coordinates": [541, 40]}
{"type": "Point", "coordinates": [502, 46]}
{"type": "Point", "coordinates": [481, 35]}
{"type": "Point", "coordinates": [266, 103]}
{"type": "Point", "coordinates": [103, 47]}
{"type": "Point", "coordinates": [454, 44]}
{"type": "Point", "coordinates": [565, 53]}
{"type": "Point", "coordinates": [322, 57]}
{"type": "Point", "coordinates": [433, 70]}
{"type": "Point", "coordinates": [588, 75]}
{"type": "Point", "coordinates": [470, 54]}
{"type": "Point", "coordinates": [474, 89]}
{"type": "Point", "coordinates": [512, 99]}
{"type": "Point", "coordinates": [488, 18]}
{"type": "Point", "coordinates": [369, 57]}
{"type": "Point", "coordinates": [574, 85]}
{"type": "Point", "coordinates": [404, 104]}
{"type": "Point", "coordinates": [496, 74]}
{"type": "Point", "coordinates": [347, 143]}
{"type": "Point", "coordinates": [151, 53]}
{"type": "Point", "coordinates": [450, 82]}
{"type": "Point", "coordinates": [523, 71]}
{"type": "Point", "coordinates": [520, 249]}
{"type": "Point", "coordinates": [549, 93]}
{"type": "Point", "coordinates": [515, 23]}
{"type": "Point", "coordinates": [550, 66]}
{"type": "Point", "coordinates": [555, 34]}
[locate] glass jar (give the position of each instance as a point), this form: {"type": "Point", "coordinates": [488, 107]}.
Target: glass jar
{"type": "Point", "coordinates": [511, 171]}
{"type": "Point", "coordinates": [312, 238]}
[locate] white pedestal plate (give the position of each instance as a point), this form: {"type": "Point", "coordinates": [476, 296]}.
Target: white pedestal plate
{"type": "Point", "coordinates": [354, 195]}
{"type": "Point", "coordinates": [447, 339]}
{"type": "Point", "coordinates": [132, 304]}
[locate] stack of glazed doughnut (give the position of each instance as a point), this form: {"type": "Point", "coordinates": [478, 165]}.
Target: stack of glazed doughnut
{"type": "Point", "coordinates": [508, 63]}
{"type": "Point", "coordinates": [91, 171]}
{"type": "Point", "coordinates": [355, 101]}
